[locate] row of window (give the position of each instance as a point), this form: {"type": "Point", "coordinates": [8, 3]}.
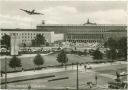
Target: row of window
{"type": "Point", "coordinates": [84, 41]}
{"type": "Point", "coordinates": [27, 37]}
{"type": "Point", "coordinates": [26, 40]}
{"type": "Point", "coordinates": [86, 36]}
{"type": "Point", "coordinates": [23, 33]}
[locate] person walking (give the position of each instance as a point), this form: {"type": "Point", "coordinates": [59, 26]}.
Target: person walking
{"type": "Point", "coordinates": [96, 79]}
{"type": "Point", "coordinates": [22, 69]}
{"type": "Point", "coordinates": [1, 74]}
{"type": "Point", "coordinates": [29, 87]}
{"type": "Point", "coordinates": [89, 84]}
{"type": "Point", "coordinates": [72, 65]}
{"type": "Point", "coordinates": [85, 67]}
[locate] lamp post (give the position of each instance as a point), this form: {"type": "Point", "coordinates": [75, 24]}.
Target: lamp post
{"type": "Point", "coordinates": [77, 80]}
{"type": "Point", "coordinates": [96, 79]}
{"type": "Point", "coordinates": [5, 73]}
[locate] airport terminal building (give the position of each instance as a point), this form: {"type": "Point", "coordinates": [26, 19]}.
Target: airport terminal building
{"type": "Point", "coordinates": [86, 32]}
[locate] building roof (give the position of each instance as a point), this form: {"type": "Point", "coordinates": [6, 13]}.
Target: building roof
{"type": "Point", "coordinates": [23, 30]}
{"type": "Point", "coordinates": [81, 25]}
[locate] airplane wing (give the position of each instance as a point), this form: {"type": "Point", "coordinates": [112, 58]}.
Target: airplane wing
{"type": "Point", "coordinates": [26, 11]}
{"type": "Point", "coordinates": [38, 13]}
{"type": "Point", "coordinates": [31, 12]}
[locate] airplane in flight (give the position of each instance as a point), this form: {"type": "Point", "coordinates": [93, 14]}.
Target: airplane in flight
{"type": "Point", "coordinates": [31, 12]}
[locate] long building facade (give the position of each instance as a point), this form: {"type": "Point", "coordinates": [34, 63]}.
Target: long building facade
{"type": "Point", "coordinates": [69, 32]}
{"type": "Point", "coordinates": [90, 33]}
{"type": "Point", "coordinates": [25, 36]}
{"type": "Point", "coordinates": [86, 32]}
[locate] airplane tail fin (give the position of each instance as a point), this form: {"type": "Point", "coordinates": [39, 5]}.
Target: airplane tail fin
{"type": "Point", "coordinates": [33, 10]}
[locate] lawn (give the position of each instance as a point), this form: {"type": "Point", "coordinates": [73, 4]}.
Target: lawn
{"type": "Point", "coordinates": [27, 62]}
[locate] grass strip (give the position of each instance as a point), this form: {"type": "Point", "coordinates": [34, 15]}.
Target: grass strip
{"type": "Point", "coordinates": [55, 79]}
{"type": "Point", "coordinates": [25, 79]}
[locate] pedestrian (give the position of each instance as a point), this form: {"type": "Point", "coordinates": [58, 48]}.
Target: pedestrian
{"type": "Point", "coordinates": [72, 65]}
{"type": "Point", "coordinates": [29, 86]}
{"type": "Point", "coordinates": [118, 77]}
{"type": "Point", "coordinates": [89, 84]}
{"type": "Point", "coordinates": [1, 74]}
{"type": "Point", "coordinates": [96, 79]}
{"type": "Point", "coordinates": [85, 67]}
{"type": "Point", "coordinates": [34, 69]}
{"type": "Point", "coordinates": [22, 69]}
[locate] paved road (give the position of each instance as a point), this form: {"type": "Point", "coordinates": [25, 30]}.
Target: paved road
{"type": "Point", "coordinates": [53, 70]}
{"type": "Point", "coordinates": [45, 84]}
{"type": "Point", "coordinates": [43, 71]}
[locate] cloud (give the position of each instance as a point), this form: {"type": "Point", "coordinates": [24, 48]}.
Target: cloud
{"type": "Point", "coordinates": [8, 21]}
{"type": "Point", "coordinates": [16, 17]}
{"type": "Point", "coordinates": [59, 13]}
{"type": "Point", "coordinates": [64, 15]}
{"type": "Point", "coordinates": [116, 16]}
{"type": "Point", "coordinates": [70, 15]}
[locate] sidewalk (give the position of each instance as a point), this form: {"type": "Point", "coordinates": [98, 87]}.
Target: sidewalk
{"type": "Point", "coordinates": [24, 55]}
{"type": "Point", "coordinates": [42, 71]}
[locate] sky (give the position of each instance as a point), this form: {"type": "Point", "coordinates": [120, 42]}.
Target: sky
{"type": "Point", "coordinates": [61, 12]}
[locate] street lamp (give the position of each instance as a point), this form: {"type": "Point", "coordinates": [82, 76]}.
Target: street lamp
{"type": "Point", "coordinates": [5, 73]}
{"type": "Point", "coordinates": [77, 80]}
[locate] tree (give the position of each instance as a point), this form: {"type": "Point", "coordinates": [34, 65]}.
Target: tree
{"type": "Point", "coordinates": [6, 39]}
{"type": "Point", "coordinates": [111, 43]}
{"type": "Point", "coordinates": [38, 60]}
{"type": "Point", "coordinates": [79, 53]}
{"type": "Point", "coordinates": [111, 54]}
{"type": "Point", "coordinates": [39, 40]}
{"type": "Point", "coordinates": [15, 62]}
{"type": "Point", "coordinates": [117, 48]}
{"type": "Point", "coordinates": [97, 54]}
{"type": "Point", "coordinates": [122, 43]}
{"type": "Point", "coordinates": [62, 58]}
{"type": "Point", "coordinates": [85, 52]}
{"type": "Point", "coordinates": [122, 47]}
{"type": "Point", "coordinates": [47, 44]}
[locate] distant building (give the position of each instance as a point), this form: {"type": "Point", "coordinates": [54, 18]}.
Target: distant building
{"type": "Point", "coordinates": [88, 32]}
{"type": "Point", "coordinates": [25, 36]}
